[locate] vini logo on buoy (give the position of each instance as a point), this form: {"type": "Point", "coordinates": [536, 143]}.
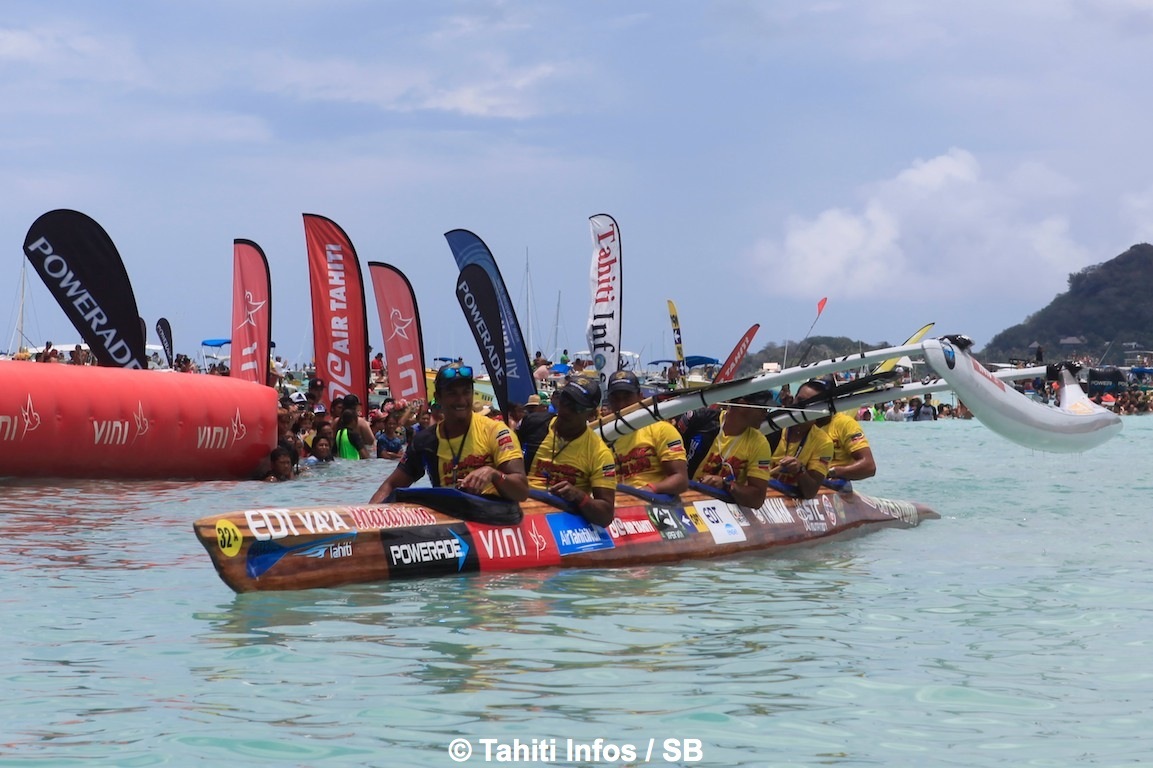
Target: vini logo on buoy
{"type": "Point", "coordinates": [221, 438]}
{"type": "Point", "coordinates": [9, 424]}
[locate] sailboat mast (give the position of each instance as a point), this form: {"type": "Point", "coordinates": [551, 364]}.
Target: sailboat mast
{"type": "Point", "coordinates": [19, 332]}
{"type": "Point", "coordinates": [528, 302]}
{"type": "Point", "coordinates": [554, 343]}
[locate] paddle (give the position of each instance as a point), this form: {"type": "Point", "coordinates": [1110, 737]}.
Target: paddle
{"type": "Point", "coordinates": [552, 500]}
{"type": "Point", "coordinates": [708, 490]}
{"type": "Point", "coordinates": [891, 363]}
{"type": "Point", "coordinates": [463, 506]}
{"type": "Point", "coordinates": [663, 499]}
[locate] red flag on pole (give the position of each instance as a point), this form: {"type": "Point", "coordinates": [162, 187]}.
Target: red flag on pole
{"type": "Point", "coordinates": [821, 305]}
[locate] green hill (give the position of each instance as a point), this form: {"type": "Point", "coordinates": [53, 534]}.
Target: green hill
{"type": "Point", "coordinates": [1107, 306]}
{"type": "Point", "coordinates": [810, 351]}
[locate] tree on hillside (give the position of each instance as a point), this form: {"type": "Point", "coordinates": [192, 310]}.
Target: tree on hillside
{"type": "Point", "coordinates": [1106, 303]}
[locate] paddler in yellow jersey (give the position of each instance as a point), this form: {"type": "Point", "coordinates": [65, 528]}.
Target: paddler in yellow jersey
{"type": "Point", "coordinates": [572, 461]}
{"type": "Point", "coordinates": [652, 457]}
{"type": "Point", "coordinates": [801, 459]}
{"type": "Point", "coordinates": [738, 459]}
{"type": "Point", "coordinates": [852, 456]}
{"type": "Point", "coordinates": [465, 450]}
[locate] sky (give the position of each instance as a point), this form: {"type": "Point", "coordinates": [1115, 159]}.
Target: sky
{"type": "Point", "coordinates": [910, 161]}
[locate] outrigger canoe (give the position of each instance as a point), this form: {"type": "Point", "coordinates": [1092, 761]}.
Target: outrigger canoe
{"type": "Point", "coordinates": [443, 532]}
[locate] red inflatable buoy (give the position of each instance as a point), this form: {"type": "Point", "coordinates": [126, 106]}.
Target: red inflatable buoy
{"type": "Point", "coordinates": [60, 420]}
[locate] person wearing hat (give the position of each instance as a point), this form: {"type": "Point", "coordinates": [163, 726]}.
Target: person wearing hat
{"type": "Point", "coordinates": [472, 452]}
{"type": "Point", "coordinates": [316, 388]}
{"type": "Point", "coordinates": [852, 457]}
{"type": "Point", "coordinates": [736, 456]}
{"type": "Point", "coordinates": [652, 457]}
{"type": "Point", "coordinates": [801, 459]}
{"type": "Point", "coordinates": [570, 460]}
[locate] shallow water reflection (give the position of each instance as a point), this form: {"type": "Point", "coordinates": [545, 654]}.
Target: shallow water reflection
{"type": "Point", "coordinates": [1011, 632]}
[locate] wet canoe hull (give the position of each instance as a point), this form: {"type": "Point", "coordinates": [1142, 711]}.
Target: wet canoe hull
{"type": "Point", "coordinates": [305, 548]}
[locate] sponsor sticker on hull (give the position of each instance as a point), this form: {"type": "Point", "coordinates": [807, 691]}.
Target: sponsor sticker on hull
{"type": "Point", "coordinates": [667, 521]}
{"type": "Point", "coordinates": [527, 545]}
{"type": "Point", "coordinates": [573, 534]}
{"type": "Point", "coordinates": [719, 521]}
{"type": "Point", "coordinates": [389, 516]}
{"type": "Point", "coordinates": [633, 525]}
{"type": "Point", "coordinates": [440, 550]}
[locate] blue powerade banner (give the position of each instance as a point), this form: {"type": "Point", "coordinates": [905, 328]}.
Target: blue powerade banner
{"type": "Point", "coordinates": [469, 249]}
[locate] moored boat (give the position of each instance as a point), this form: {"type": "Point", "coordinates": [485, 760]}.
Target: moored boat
{"type": "Point", "coordinates": [442, 532]}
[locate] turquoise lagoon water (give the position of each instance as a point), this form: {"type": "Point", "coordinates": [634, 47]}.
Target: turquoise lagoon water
{"type": "Point", "coordinates": [1015, 631]}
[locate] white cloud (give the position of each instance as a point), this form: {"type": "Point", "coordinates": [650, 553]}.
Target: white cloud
{"type": "Point", "coordinates": [939, 225]}
{"type": "Point", "coordinates": [45, 54]}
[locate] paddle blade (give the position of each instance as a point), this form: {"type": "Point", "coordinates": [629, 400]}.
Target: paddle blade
{"type": "Point", "coordinates": [891, 363]}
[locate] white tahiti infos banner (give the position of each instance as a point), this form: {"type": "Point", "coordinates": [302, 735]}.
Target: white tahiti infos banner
{"type": "Point", "coordinates": [604, 329]}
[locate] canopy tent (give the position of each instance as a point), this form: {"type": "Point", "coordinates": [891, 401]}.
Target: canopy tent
{"type": "Point", "coordinates": [208, 358]}
{"type": "Point", "coordinates": [692, 361]}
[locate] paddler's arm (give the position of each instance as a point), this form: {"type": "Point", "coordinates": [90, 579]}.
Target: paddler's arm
{"type": "Point", "coordinates": [398, 479]}
{"type": "Point", "coordinates": [862, 467]}
{"type": "Point", "coordinates": [751, 493]}
{"type": "Point", "coordinates": [598, 507]}
{"type": "Point", "coordinates": [508, 479]}
{"type": "Point", "coordinates": [809, 482]}
{"type": "Point", "coordinates": [513, 484]}
{"type": "Point", "coordinates": [676, 479]}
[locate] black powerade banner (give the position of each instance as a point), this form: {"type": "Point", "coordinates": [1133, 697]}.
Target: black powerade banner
{"type": "Point", "coordinates": [478, 301]}
{"type": "Point", "coordinates": [164, 331]}
{"type": "Point", "coordinates": [78, 262]}
{"type": "Point", "coordinates": [1105, 381]}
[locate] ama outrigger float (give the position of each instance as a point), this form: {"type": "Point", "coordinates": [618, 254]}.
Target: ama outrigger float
{"type": "Point", "coordinates": [426, 532]}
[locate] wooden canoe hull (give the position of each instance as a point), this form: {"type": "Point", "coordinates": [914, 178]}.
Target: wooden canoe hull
{"type": "Point", "coordinates": [305, 548]}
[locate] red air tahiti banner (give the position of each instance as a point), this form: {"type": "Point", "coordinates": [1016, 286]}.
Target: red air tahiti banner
{"type": "Point", "coordinates": [604, 330]}
{"type": "Point", "coordinates": [400, 327]}
{"type": "Point", "coordinates": [728, 371]}
{"type": "Point", "coordinates": [339, 321]}
{"type": "Point", "coordinates": [251, 312]}
{"type": "Point", "coordinates": [82, 268]}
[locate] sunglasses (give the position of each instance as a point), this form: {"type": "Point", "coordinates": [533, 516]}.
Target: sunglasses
{"type": "Point", "coordinates": [463, 372]}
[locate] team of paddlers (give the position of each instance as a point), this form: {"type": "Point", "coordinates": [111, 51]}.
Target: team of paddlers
{"type": "Point", "coordinates": [456, 442]}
